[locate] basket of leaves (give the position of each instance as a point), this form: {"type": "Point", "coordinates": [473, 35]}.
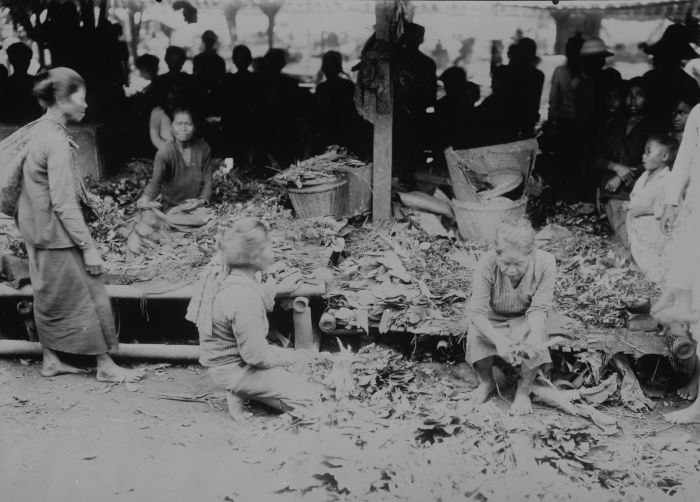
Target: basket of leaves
{"type": "Point", "coordinates": [319, 186]}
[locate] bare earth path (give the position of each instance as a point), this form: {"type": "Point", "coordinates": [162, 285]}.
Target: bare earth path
{"type": "Point", "coordinates": [71, 438]}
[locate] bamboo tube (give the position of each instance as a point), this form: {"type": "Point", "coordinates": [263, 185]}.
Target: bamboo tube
{"type": "Point", "coordinates": [327, 323]}
{"type": "Point", "coordinates": [183, 293]}
{"type": "Point", "coordinates": [303, 330]}
{"type": "Point", "coordinates": [150, 351]}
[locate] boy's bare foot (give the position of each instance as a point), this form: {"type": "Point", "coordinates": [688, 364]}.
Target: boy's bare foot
{"type": "Point", "coordinates": [689, 415]}
{"type": "Point", "coordinates": [53, 368]}
{"type": "Point", "coordinates": [236, 406]}
{"type": "Point", "coordinates": [521, 404]}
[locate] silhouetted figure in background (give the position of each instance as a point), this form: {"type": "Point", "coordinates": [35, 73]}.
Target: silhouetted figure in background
{"type": "Point", "coordinates": [64, 35]}
{"type": "Point", "coordinates": [335, 117]}
{"type": "Point", "coordinates": [667, 80]}
{"type": "Point", "coordinates": [208, 70]}
{"type": "Point", "coordinates": [562, 95]}
{"type": "Point", "coordinates": [21, 107]}
{"type": "Point", "coordinates": [416, 90]}
{"type": "Point", "coordinates": [559, 136]}
{"type": "Point", "coordinates": [118, 53]}
{"type": "Point", "coordinates": [525, 82]}
{"type": "Point", "coordinates": [147, 66]}
{"type": "Point", "coordinates": [280, 110]}
{"type": "Point", "coordinates": [591, 106]}
{"type": "Point", "coordinates": [160, 121]}
{"type": "Point", "coordinates": [619, 156]}
{"type": "Point", "coordinates": [141, 105]}
{"type": "Point", "coordinates": [175, 58]}
{"type": "Point", "coordinates": [679, 115]}
{"type": "Point", "coordinates": [455, 116]}
{"type": "Point", "coordinates": [495, 114]}
{"type": "Point", "coordinates": [241, 109]}
{"type": "Point", "coordinates": [208, 67]}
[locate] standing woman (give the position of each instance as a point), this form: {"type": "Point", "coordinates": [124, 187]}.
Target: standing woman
{"type": "Point", "coordinates": [71, 307]}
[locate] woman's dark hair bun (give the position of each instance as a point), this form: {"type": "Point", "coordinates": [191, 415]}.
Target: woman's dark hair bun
{"type": "Point", "coordinates": [43, 88]}
{"type": "Point", "coordinates": [56, 83]}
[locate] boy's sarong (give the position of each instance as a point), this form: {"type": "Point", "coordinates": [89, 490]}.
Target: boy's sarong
{"type": "Point", "coordinates": [275, 387]}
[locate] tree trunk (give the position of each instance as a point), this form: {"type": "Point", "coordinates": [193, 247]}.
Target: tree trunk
{"type": "Point", "coordinates": [271, 31]}
{"type": "Point", "coordinates": [231, 9]}
{"type": "Point", "coordinates": [135, 28]}
{"type": "Point", "coordinates": [270, 8]}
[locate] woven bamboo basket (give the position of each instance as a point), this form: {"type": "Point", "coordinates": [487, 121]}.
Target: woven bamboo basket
{"type": "Point", "coordinates": [479, 220]}
{"type": "Point", "coordinates": [329, 199]}
{"type": "Point", "coordinates": [462, 187]}
{"type": "Point", "coordinates": [518, 155]}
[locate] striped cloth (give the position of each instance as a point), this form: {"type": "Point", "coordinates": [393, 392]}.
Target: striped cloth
{"type": "Point", "coordinates": [240, 327]}
{"type": "Point", "coordinates": [494, 296]}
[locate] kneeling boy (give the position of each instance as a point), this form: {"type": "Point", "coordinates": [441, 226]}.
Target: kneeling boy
{"type": "Point", "coordinates": [235, 350]}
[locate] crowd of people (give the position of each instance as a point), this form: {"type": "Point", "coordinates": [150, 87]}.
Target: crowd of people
{"type": "Point", "coordinates": [637, 139]}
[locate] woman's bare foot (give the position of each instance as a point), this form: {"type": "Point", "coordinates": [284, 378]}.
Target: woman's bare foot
{"type": "Point", "coordinates": [689, 415]}
{"type": "Point", "coordinates": [236, 406]}
{"type": "Point", "coordinates": [108, 371]}
{"type": "Point", "coordinates": [521, 404]}
{"type": "Point", "coordinates": [59, 368]}
{"type": "Point", "coordinates": [53, 366]}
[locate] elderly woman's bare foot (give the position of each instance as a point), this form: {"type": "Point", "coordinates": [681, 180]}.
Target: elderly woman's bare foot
{"type": "Point", "coordinates": [481, 394]}
{"type": "Point", "coordinates": [108, 371]}
{"type": "Point", "coordinates": [53, 368]}
{"type": "Point", "coordinates": [689, 392]}
{"type": "Point", "coordinates": [689, 415]}
{"type": "Point", "coordinates": [521, 404]}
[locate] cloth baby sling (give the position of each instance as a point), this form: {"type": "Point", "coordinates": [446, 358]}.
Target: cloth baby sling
{"type": "Point", "coordinates": [13, 152]}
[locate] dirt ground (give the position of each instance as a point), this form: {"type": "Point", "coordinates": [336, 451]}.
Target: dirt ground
{"type": "Point", "coordinates": [71, 438]}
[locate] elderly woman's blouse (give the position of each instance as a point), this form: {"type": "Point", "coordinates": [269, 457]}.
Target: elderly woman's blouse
{"type": "Point", "coordinates": [682, 182]}
{"type": "Point", "coordinates": [493, 292]}
{"type": "Point", "coordinates": [48, 212]}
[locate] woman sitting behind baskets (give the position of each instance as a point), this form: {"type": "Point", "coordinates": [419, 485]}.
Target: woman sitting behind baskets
{"type": "Point", "coordinates": [512, 293]}
{"type": "Point", "coordinates": [181, 168]}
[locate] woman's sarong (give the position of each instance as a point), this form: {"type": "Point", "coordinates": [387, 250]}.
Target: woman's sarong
{"type": "Point", "coordinates": [480, 347]}
{"type": "Point", "coordinates": [72, 311]}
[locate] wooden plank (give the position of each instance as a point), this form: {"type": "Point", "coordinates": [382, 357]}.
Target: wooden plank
{"type": "Point", "coordinates": [383, 124]}
{"type": "Point", "coordinates": [381, 177]}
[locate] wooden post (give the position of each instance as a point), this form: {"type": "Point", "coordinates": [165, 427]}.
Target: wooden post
{"type": "Point", "coordinates": [383, 125]}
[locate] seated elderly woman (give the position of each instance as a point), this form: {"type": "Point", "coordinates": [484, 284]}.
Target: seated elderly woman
{"type": "Point", "coordinates": [181, 168]}
{"type": "Point", "coordinates": [512, 294]}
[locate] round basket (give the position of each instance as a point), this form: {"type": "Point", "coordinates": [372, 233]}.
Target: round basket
{"type": "Point", "coordinates": [328, 199]}
{"type": "Point", "coordinates": [480, 220]}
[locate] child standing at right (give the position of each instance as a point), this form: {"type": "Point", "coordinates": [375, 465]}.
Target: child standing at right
{"type": "Point", "coordinates": [646, 239]}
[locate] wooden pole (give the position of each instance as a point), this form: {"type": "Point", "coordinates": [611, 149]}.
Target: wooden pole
{"type": "Point", "coordinates": [383, 125]}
